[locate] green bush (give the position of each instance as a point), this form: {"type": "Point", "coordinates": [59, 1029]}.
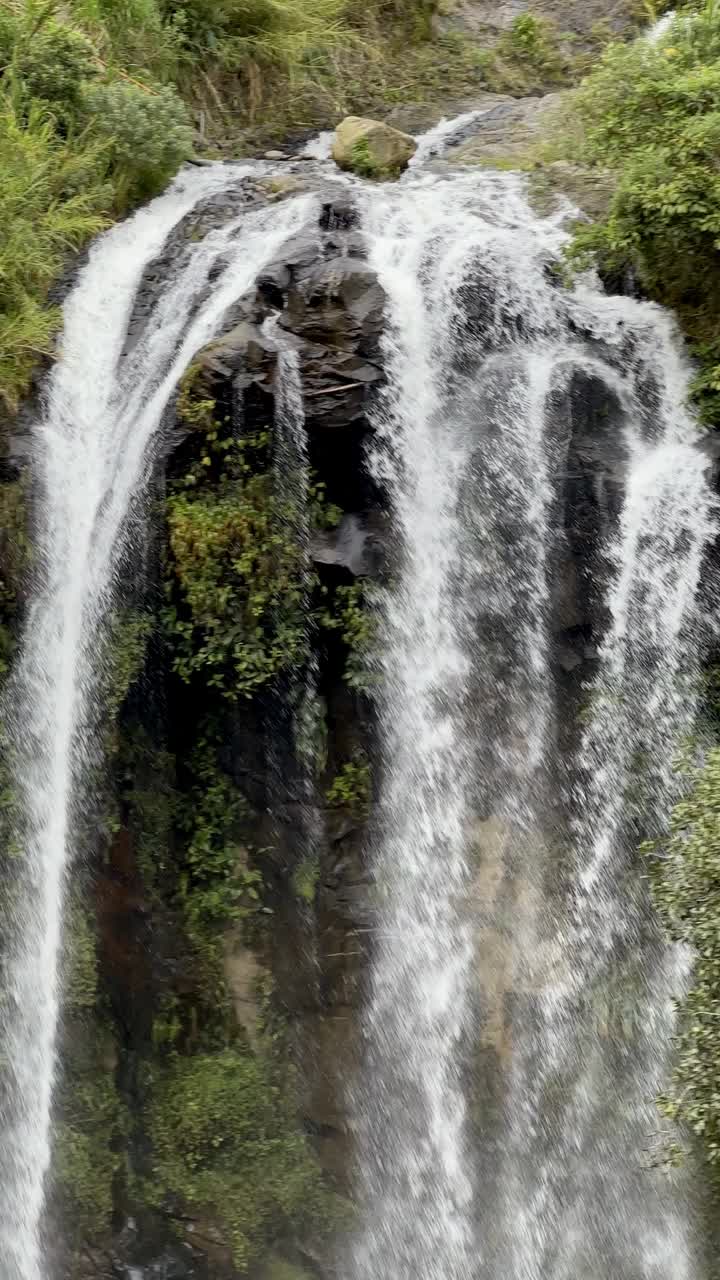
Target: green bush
{"type": "Point", "coordinates": [686, 882]}
{"type": "Point", "coordinates": [147, 135]}
{"type": "Point", "coordinates": [46, 62]}
{"type": "Point", "coordinates": [236, 583]}
{"type": "Point", "coordinates": [52, 197]}
{"type": "Point", "coordinates": [348, 612]}
{"type": "Point", "coordinates": [651, 113]}
{"type": "Point", "coordinates": [351, 787]}
{"type": "Point", "coordinates": [226, 1140]}
{"type": "Point", "coordinates": [215, 887]}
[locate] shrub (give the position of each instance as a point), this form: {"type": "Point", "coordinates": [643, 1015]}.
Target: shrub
{"type": "Point", "coordinates": [236, 586]}
{"type": "Point", "coordinates": [349, 612]}
{"type": "Point", "coordinates": [147, 134]}
{"type": "Point", "coordinates": [49, 65]}
{"type": "Point", "coordinates": [227, 1141]}
{"type": "Point", "coordinates": [52, 197]}
{"type": "Point", "coordinates": [351, 787]}
{"type": "Point", "coordinates": [686, 880]}
{"type": "Point", "coordinates": [652, 114]}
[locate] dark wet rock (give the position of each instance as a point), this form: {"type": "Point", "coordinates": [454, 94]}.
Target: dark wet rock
{"type": "Point", "coordinates": [350, 545]}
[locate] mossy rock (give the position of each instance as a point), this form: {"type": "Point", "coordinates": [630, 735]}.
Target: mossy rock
{"type": "Point", "coordinates": [590, 190]}
{"type": "Point", "coordinates": [278, 187]}
{"type": "Point", "coordinates": [372, 149]}
{"type": "Point", "coordinates": [277, 1268]}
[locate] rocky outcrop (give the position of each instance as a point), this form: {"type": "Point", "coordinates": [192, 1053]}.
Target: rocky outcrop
{"type": "Point", "coordinates": [484, 17]}
{"type": "Point", "coordinates": [293, 957]}
{"type": "Point", "coordinates": [372, 149]}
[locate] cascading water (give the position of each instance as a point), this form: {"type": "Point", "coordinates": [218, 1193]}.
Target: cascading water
{"type": "Point", "coordinates": [92, 451]}
{"type": "Point", "coordinates": [484, 355]}
{"type": "Point", "coordinates": [509, 915]}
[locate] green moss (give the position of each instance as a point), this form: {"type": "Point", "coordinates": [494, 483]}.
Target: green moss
{"type": "Point", "coordinates": [651, 113]}
{"type": "Point", "coordinates": [226, 1140]}
{"type": "Point", "coordinates": [90, 1119]}
{"type": "Point", "coordinates": [686, 885]}
{"type": "Point", "coordinates": [305, 879]}
{"type": "Point", "coordinates": [129, 633]}
{"type": "Point", "coordinates": [348, 611]}
{"type": "Point", "coordinates": [146, 779]}
{"type": "Point", "coordinates": [80, 984]}
{"type": "Point", "coordinates": [84, 1159]}
{"type": "Point", "coordinates": [364, 163]}
{"type": "Point", "coordinates": [195, 405]}
{"type": "Point", "coordinates": [351, 788]}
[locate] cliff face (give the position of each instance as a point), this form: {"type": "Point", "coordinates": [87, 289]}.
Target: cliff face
{"type": "Point", "coordinates": [221, 936]}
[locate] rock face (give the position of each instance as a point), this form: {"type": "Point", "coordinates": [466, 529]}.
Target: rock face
{"type": "Point", "coordinates": [372, 149]}
{"type": "Point", "coordinates": [486, 16]}
{"type": "Point", "coordinates": [307, 958]}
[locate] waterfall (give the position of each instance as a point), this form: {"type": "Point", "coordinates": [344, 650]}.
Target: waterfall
{"type": "Point", "coordinates": [511, 935]}
{"type": "Point", "coordinates": [300, 687]}
{"type": "Point", "coordinates": [504, 848]}
{"type": "Point", "coordinates": [92, 450]}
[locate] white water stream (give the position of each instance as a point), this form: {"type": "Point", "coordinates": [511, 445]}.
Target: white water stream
{"type": "Point", "coordinates": [489, 364]}
{"type": "Point", "coordinates": [92, 452]}
{"type": "Point", "coordinates": [507, 894]}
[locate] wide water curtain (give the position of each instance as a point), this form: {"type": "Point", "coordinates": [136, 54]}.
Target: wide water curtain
{"type": "Point", "coordinates": [545, 514]}
{"type": "Point", "coordinates": [511, 925]}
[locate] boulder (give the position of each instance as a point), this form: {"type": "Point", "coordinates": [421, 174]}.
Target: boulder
{"type": "Point", "coordinates": [372, 149]}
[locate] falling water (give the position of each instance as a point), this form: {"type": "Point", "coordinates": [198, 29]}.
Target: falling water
{"type": "Point", "coordinates": [509, 916]}
{"type": "Point", "coordinates": [92, 449]}
{"type": "Point", "coordinates": [484, 797]}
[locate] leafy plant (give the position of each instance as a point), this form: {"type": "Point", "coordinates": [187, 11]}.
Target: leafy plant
{"type": "Point", "coordinates": [147, 135]}
{"type": "Point", "coordinates": [651, 113]}
{"type": "Point", "coordinates": [227, 1141]}
{"type": "Point", "coordinates": [52, 197]}
{"type": "Point", "coordinates": [349, 612]}
{"type": "Point", "coordinates": [235, 585]}
{"type": "Point", "coordinates": [350, 789]}
{"type": "Point", "coordinates": [686, 883]}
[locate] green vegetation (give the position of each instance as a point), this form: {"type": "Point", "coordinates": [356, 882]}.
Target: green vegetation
{"type": "Point", "coordinates": [79, 141]}
{"type": "Point", "coordinates": [15, 560]}
{"type": "Point", "coordinates": [90, 1116]}
{"type": "Point", "coordinates": [239, 617]}
{"type": "Point", "coordinates": [102, 100]}
{"type": "Point", "coordinates": [234, 575]}
{"type": "Point", "coordinates": [686, 883]}
{"type": "Point", "coordinates": [530, 56]}
{"type": "Point", "coordinates": [348, 611]}
{"type": "Point", "coordinates": [351, 788]}
{"type": "Point", "coordinates": [651, 114]}
{"type": "Point", "coordinates": [215, 884]}
{"type": "Point", "coordinates": [226, 1140]}
{"type": "Point", "coordinates": [305, 878]}
{"type": "Point", "coordinates": [362, 160]}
